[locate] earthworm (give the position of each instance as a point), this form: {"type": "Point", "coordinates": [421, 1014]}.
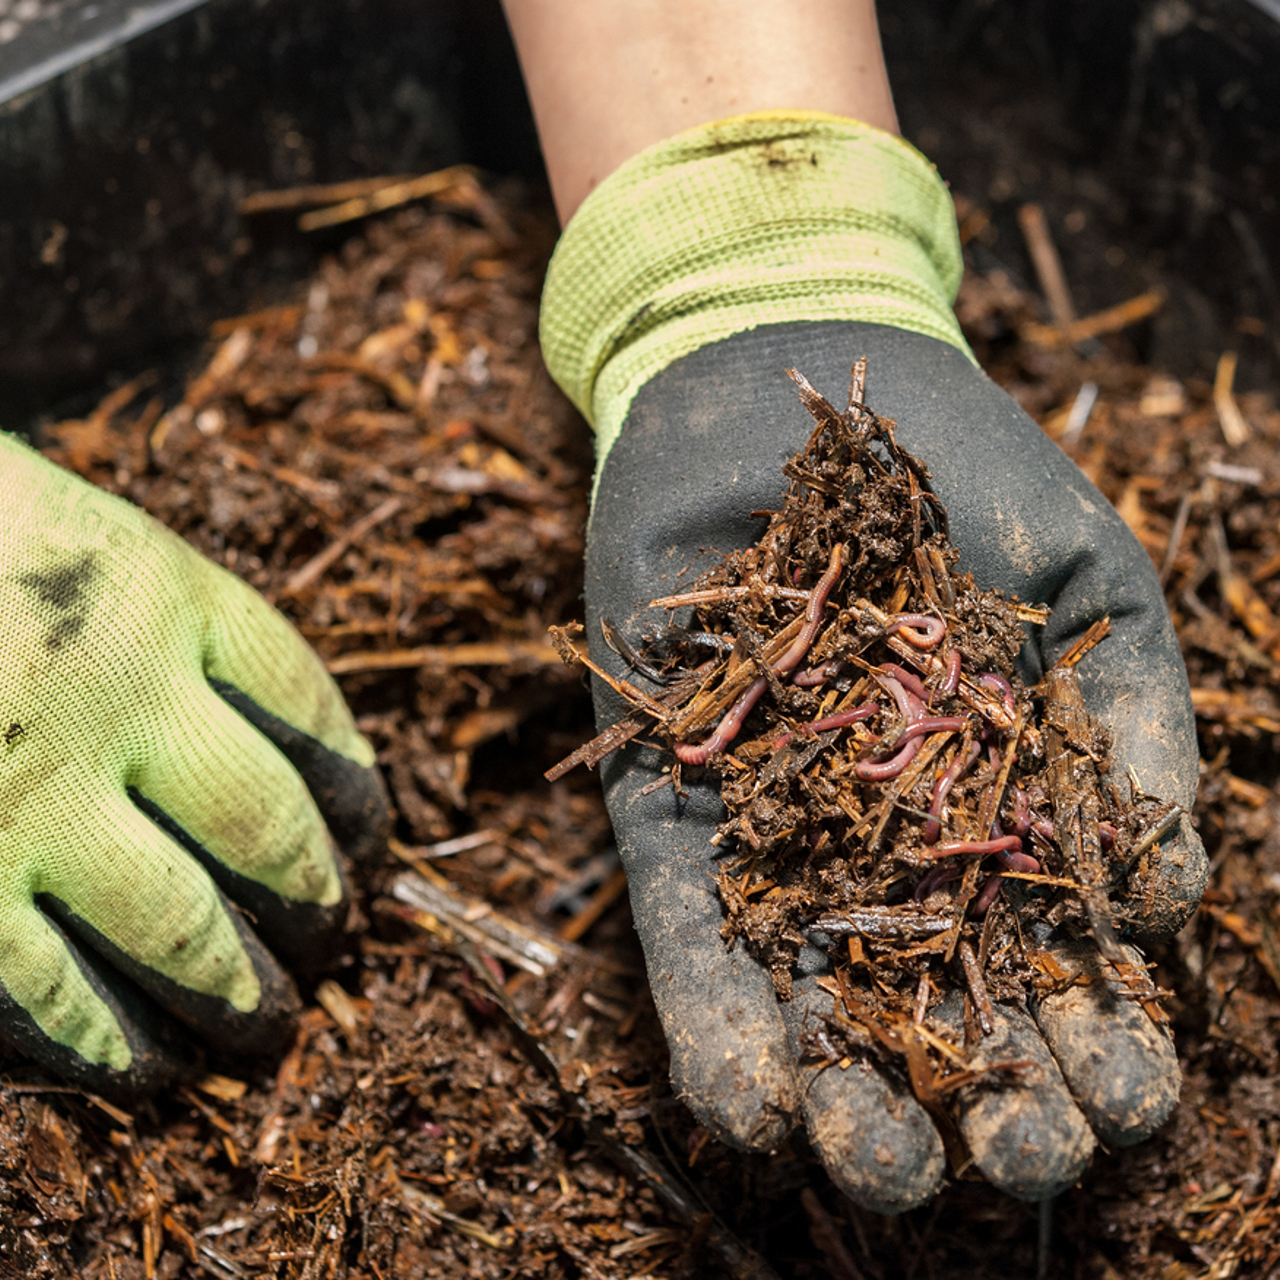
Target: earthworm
{"type": "Point", "coordinates": [909, 705]}
{"type": "Point", "coordinates": [989, 892]}
{"type": "Point", "coordinates": [907, 679]}
{"type": "Point", "coordinates": [820, 674]}
{"type": "Point", "coordinates": [993, 682]}
{"type": "Point", "coordinates": [1107, 836]}
{"type": "Point", "coordinates": [726, 730]}
{"type": "Point", "coordinates": [958, 847]}
{"type": "Point", "coordinates": [919, 630]}
{"type": "Point", "coordinates": [933, 724]}
{"type": "Point", "coordinates": [950, 681]}
{"type": "Point", "coordinates": [836, 721]}
{"type": "Point", "coordinates": [935, 878]}
{"type": "Point", "coordinates": [1044, 828]}
{"type": "Point", "coordinates": [1020, 811]}
{"type": "Point", "coordinates": [1017, 861]}
{"type": "Point", "coordinates": [883, 770]}
{"type": "Point", "coordinates": [813, 613]}
{"type": "Point", "coordinates": [945, 781]}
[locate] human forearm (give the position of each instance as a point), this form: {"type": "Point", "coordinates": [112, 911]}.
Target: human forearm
{"type": "Point", "coordinates": [610, 79]}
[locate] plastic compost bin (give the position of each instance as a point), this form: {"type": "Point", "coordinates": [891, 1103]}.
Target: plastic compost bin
{"type": "Point", "coordinates": [130, 129]}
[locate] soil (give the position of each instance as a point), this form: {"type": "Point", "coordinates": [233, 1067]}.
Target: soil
{"type": "Point", "coordinates": [884, 769]}
{"type": "Point", "coordinates": [478, 1085]}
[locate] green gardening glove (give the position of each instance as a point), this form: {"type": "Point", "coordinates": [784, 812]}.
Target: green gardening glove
{"type": "Point", "coordinates": [685, 286]}
{"type": "Point", "coordinates": [173, 761]}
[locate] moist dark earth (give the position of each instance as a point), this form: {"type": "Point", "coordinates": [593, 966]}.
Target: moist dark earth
{"type": "Point", "coordinates": [478, 1084]}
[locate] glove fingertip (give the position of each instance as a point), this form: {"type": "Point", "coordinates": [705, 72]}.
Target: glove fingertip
{"type": "Point", "coordinates": [1027, 1136]}
{"type": "Point", "coordinates": [351, 796]}
{"type": "Point", "coordinates": [877, 1143]}
{"type": "Point", "coordinates": [1121, 1067]}
{"type": "Point", "coordinates": [746, 1104]}
{"type": "Point", "coordinates": [154, 1053]}
{"type": "Point", "coordinates": [1179, 877]}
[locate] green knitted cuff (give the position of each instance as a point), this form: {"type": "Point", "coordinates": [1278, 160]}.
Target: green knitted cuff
{"type": "Point", "coordinates": [754, 220]}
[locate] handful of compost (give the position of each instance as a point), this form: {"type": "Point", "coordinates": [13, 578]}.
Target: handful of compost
{"type": "Point", "coordinates": [895, 795]}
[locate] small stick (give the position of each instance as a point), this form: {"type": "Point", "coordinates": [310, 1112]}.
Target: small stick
{"type": "Point", "coordinates": [995, 793]}
{"type": "Point", "coordinates": [637, 697]}
{"type": "Point", "coordinates": [619, 734]}
{"type": "Point", "coordinates": [1235, 430]}
{"type": "Point", "coordinates": [977, 987]}
{"type": "Point", "coordinates": [387, 197]}
{"type": "Point", "coordinates": [1047, 263]}
{"type": "Point", "coordinates": [603, 898]}
{"type": "Point", "coordinates": [722, 595]}
{"type": "Point", "coordinates": [922, 999]}
{"type": "Point", "coordinates": [300, 580]}
{"type": "Point", "coordinates": [480, 654]}
{"type": "Point", "coordinates": [1175, 537]}
{"type": "Point", "coordinates": [315, 194]}
{"type": "Point", "coordinates": [1161, 829]}
{"type": "Point", "coordinates": [1099, 631]}
{"type": "Point", "coordinates": [1078, 417]}
{"type": "Point", "coordinates": [1111, 320]}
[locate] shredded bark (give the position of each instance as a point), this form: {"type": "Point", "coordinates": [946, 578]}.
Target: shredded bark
{"type": "Point", "coordinates": [409, 1128]}
{"type": "Point", "coordinates": [895, 794]}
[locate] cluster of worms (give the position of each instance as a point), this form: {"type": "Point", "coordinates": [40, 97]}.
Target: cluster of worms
{"type": "Point", "coordinates": [883, 768]}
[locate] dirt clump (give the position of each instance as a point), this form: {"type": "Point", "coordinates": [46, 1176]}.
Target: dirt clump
{"type": "Point", "coordinates": [895, 794]}
{"type": "Point", "coordinates": [431, 1121]}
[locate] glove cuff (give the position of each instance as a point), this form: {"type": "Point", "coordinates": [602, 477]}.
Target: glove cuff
{"type": "Point", "coordinates": [752, 220]}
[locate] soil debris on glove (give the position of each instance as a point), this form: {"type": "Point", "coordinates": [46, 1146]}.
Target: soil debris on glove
{"type": "Point", "coordinates": [896, 795]}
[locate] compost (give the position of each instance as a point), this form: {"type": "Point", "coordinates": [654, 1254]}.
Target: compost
{"type": "Point", "coordinates": [883, 768]}
{"type": "Point", "coordinates": [478, 1084]}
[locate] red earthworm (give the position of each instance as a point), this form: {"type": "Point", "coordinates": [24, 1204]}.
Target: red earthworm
{"type": "Point", "coordinates": [907, 679]}
{"type": "Point", "coordinates": [1016, 861]}
{"type": "Point", "coordinates": [996, 683]}
{"type": "Point", "coordinates": [989, 892]}
{"type": "Point", "coordinates": [1044, 828]}
{"type": "Point", "coordinates": [984, 847]}
{"type": "Point", "coordinates": [933, 724]}
{"type": "Point", "coordinates": [945, 781]}
{"type": "Point", "coordinates": [836, 721]}
{"type": "Point", "coordinates": [813, 613]}
{"type": "Point", "coordinates": [1020, 811]}
{"type": "Point", "coordinates": [883, 770]}
{"type": "Point", "coordinates": [935, 878]}
{"type": "Point", "coordinates": [919, 630]}
{"type": "Point", "coordinates": [820, 674]}
{"type": "Point", "coordinates": [951, 675]}
{"type": "Point", "coordinates": [726, 730]}
{"type": "Point", "coordinates": [1107, 836]}
{"type": "Point", "coordinates": [909, 706]}
{"type": "Point", "coordinates": [873, 770]}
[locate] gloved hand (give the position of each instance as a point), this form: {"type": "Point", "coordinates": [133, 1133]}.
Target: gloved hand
{"type": "Point", "coordinates": [173, 758]}
{"type": "Point", "coordinates": [686, 285]}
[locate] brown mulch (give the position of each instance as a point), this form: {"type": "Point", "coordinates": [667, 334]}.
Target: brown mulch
{"type": "Point", "coordinates": [478, 1086]}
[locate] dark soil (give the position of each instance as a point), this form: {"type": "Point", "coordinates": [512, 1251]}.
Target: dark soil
{"type": "Point", "coordinates": [885, 772]}
{"type": "Point", "coordinates": [478, 1086]}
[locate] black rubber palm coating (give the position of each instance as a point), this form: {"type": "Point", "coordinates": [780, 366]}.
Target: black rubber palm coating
{"type": "Point", "coordinates": [703, 447]}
